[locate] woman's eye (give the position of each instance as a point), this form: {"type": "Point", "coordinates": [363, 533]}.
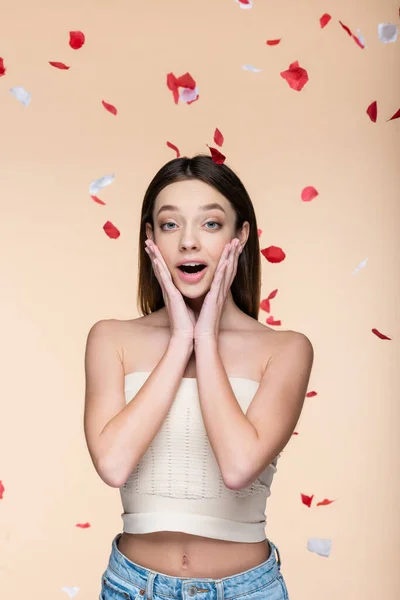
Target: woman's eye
{"type": "Point", "coordinates": [171, 223]}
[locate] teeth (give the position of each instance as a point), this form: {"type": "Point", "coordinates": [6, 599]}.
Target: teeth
{"type": "Point", "coordinates": [191, 264]}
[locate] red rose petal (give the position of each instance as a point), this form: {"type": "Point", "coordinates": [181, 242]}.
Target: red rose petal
{"type": "Point", "coordinates": [307, 500]}
{"type": "Point", "coordinates": [296, 76]}
{"type": "Point", "coordinates": [217, 156]}
{"type": "Point", "coordinates": [309, 193]}
{"type": "Point", "coordinates": [264, 304]}
{"type": "Point", "coordinates": [96, 199]}
{"type": "Point", "coordinates": [325, 502]}
{"type": "Point", "coordinates": [218, 137]}
{"type": "Point", "coordinates": [311, 394]}
{"type": "Point", "coordinates": [110, 107]}
{"type": "Point", "coordinates": [273, 42]}
{"type": "Point", "coordinates": [395, 116]}
{"type": "Point", "coordinates": [259, 232]}
{"type": "Point", "coordinates": [357, 41]}
{"type": "Point", "coordinates": [170, 145]}
{"type": "Point", "coordinates": [372, 111]}
{"type": "Point", "coordinates": [58, 65]}
{"type": "Point", "coordinates": [273, 254]}
{"type": "Point", "coordinates": [380, 335]}
{"type": "Point", "coordinates": [111, 230]}
{"type": "Point", "coordinates": [2, 67]}
{"type": "Point", "coordinates": [83, 525]}
{"type": "Point", "coordinates": [271, 321]}
{"type": "Point", "coordinates": [345, 28]}
{"type": "Point", "coordinates": [2, 488]}
{"type": "Point", "coordinates": [76, 39]}
{"type": "Point", "coordinates": [324, 20]}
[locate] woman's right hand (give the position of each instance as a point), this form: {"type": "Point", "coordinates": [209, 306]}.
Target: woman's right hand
{"type": "Point", "coordinates": [181, 316]}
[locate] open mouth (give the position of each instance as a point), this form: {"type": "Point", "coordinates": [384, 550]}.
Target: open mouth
{"type": "Point", "coordinates": [189, 269]}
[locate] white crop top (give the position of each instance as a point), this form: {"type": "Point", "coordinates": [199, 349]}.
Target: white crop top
{"type": "Point", "coordinates": [177, 485]}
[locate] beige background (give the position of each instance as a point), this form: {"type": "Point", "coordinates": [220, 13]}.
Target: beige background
{"type": "Point", "coordinates": [60, 272]}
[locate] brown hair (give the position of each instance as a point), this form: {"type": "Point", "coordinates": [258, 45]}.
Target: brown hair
{"type": "Point", "coordinates": [246, 287]}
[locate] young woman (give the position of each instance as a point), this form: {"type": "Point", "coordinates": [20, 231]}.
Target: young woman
{"type": "Point", "coordinates": [188, 407]}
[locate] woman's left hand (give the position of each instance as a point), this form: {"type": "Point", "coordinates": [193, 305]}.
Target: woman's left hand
{"type": "Point", "coordinates": [207, 325]}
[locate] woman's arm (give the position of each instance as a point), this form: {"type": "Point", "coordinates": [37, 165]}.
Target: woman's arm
{"type": "Point", "coordinates": [125, 437]}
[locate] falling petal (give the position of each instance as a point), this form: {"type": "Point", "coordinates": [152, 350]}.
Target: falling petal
{"type": "Point", "coordinates": [251, 68]}
{"type": "Point", "coordinates": [187, 95]}
{"type": "Point", "coordinates": [395, 116]}
{"type": "Point", "coordinates": [306, 500]}
{"type": "Point", "coordinates": [264, 304]}
{"type": "Point", "coordinates": [245, 4]}
{"type": "Point", "coordinates": [58, 65]}
{"type": "Point", "coordinates": [111, 230]}
{"type": "Point", "coordinates": [218, 137]}
{"type": "Point", "coordinates": [2, 488]}
{"type": "Point", "coordinates": [76, 39]}
{"type": "Point", "coordinates": [96, 199]}
{"type": "Point", "coordinates": [259, 231]}
{"type": "Point", "coordinates": [324, 20]}
{"type": "Point", "coordinates": [325, 502]}
{"type": "Point", "coordinates": [217, 156]}
{"type": "Point", "coordinates": [273, 254]}
{"type": "Point", "coordinates": [345, 28]}
{"type": "Point", "coordinates": [83, 525]}
{"type": "Point", "coordinates": [360, 37]}
{"type": "Point", "coordinates": [372, 111]}
{"type": "Point", "coordinates": [311, 394]}
{"type": "Point", "coordinates": [295, 76]}
{"type": "Point", "coordinates": [271, 321]}
{"type": "Point", "coordinates": [21, 94]}
{"type": "Point", "coordinates": [2, 67]}
{"type": "Point", "coordinates": [351, 34]}
{"type": "Point", "coordinates": [380, 335]}
{"type": "Point", "coordinates": [110, 107]}
{"type": "Point", "coordinates": [170, 145]}
{"type": "Point", "coordinates": [309, 193]}
{"type": "Point", "coordinates": [387, 32]}
{"type": "Point", "coordinates": [320, 546]}
{"type": "Point", "coordinates": [71, 591]}
{"type": "Point", "coordinates": [273, 42]}
{"type": "Point", "coordinates": [98, 184]}
{"type": "Point", "coordinates": [360, 266]}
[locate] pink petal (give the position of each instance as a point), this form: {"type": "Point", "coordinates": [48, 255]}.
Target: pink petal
{"type": "Point", "coordinates": [76, 39]}
{"type": "Point", "coordinates": [109, 107]}
{"type": "Point", "coordinates": [309, 193]}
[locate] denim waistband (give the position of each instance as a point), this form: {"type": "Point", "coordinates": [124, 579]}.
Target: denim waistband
{"type": "Point", "coordinates": [142, 583]}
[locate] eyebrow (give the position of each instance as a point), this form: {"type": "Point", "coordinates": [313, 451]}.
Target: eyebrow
{"type": "Point", "coordinates": [204, 207]}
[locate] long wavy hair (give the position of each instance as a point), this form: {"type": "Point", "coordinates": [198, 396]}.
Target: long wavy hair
{"type": "Point", "coordinates": [246, 287]}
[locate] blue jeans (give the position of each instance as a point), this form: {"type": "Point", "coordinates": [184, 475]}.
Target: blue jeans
{"type": "Point", "coordinates": [124, 579]}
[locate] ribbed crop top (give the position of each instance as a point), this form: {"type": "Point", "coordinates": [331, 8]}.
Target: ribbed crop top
{"type": "Point", "coordinates": [177, 485]}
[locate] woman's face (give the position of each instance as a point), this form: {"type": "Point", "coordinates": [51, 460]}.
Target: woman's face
{"type": "Point", "coordinates": [191, 232]}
